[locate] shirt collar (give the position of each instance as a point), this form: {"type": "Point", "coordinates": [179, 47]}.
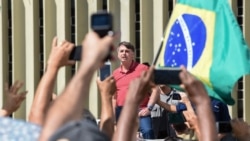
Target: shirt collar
{"type": "Point", "coordinates": [133, 64]}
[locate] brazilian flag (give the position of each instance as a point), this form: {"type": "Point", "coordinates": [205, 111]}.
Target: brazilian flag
{"type": "Point", "coordinates": [204, 36]}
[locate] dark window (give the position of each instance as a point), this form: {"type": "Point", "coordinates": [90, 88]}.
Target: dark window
{"type": "Point", "coordinates": [10, 59]}
{"type": "Point", "coordinates": [10, 42]}
{"type": "Point", "coordinates": [240, 90]}
{"type": "Point", "coordinates": [170, 7]}
{"type": "Point", "coordinates": [104, 5]}
{"type": "Point", "coordinates": [240, 108]}
{"type": "Point", "coordinates": [137, 30]}
{"type": "Point", "coordinates": [41, 38]}
{"type": "Point", "coordinates": [73, 30]}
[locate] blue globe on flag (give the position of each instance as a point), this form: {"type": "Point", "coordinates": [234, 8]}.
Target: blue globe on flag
{"type": "Point", "coordinates": [186, 42]}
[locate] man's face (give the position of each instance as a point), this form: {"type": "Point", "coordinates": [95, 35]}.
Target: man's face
{"type": "Point", "coordinates": [125, 54]}
{"type": "Point", "coordinates": [164, 89]}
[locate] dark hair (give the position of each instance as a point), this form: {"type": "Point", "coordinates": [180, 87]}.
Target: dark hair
{"type": "Point", "coordinates": [128, 45]}
{"type": "Point", "coordinates": [180, 127]}
{"type": "Point", "coordinates": [146, 63]}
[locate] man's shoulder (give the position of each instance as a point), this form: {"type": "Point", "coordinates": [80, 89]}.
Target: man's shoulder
{"type": "Point", "coordinates": [117, 70]}
{"type": "Point", "coordinates": [141, 66]}
{"type": "Point", "coordinates": [14, 129]}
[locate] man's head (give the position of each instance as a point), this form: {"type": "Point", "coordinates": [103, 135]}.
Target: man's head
{"type": "Point", "coordinates": [164, 89]}
{"type": "Point", "coordinates": [180, 128]}
{"type": "Point", "coordinates": [125, 51]}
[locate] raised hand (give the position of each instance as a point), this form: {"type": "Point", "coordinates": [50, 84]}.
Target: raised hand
{"type": "Point", "coordinates": [13, 98]}
{"type": "Point", "coordinates": [199, 97]}
{"type": "Point", "coordinates": [95, 50]}
{"type": "Point", "coordinates": [107, 87]}
{"type": "Point", "coordinates": [59, 55]}
{"type": "Point", "coordinates": [139, 87]}
{"type": "Point", "coordinates": [195, 88]}
{"type": "Point", "coordinates": [241, 129]}
{"type": "Point", "coordinates": [76, 92]}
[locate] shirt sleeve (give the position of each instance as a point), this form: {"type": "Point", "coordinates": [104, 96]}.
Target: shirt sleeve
{"type": "Point", "coordinates": [180, 107]}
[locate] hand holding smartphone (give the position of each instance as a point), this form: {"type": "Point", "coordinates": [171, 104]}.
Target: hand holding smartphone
{"type": "Point", "coordinates": [76, 53]}
{"type": "Point", "coordinates": [102, 24]}
{"type": "Point", "coordinates": [105, 71]}
{"type": "Point", "coordinates": [167, 76]}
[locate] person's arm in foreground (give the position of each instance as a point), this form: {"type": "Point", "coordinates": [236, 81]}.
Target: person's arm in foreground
{"type": "Point", "coordinates": [95, 50]}
{"type": "Point", "coordinates": [152, 100]}
{"type": "Point", "coordinates": [165, 89]}
{"type": "Point", "coordinates": [59, 57]}
{"type": "Point", "coordinates": [199, 97]}
{"type": "Point", "coordinates": [241, 130]}
{"type": "Point", "coordinates": [168, 107]}
{"type": "Point", "coordinates": [113, 104]}
{"type": "Point", "coordinates": [13, 99]}
{"type": "Point", "coordinates": [107, 89]}
{"type": "Point", "coordinates": [138, 88]}
{"type": "Point", "coordinates": [190, 116]}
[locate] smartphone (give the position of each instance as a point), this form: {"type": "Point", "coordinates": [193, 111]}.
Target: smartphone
{"type": "Point", "coordinates": [224, 127]}
{"type": "Point", "coordinates": [105, 71]}
{"type": "Point", "coordinates": [176, 96]}
{"type": "Point", "coordinates": [76, 53]}
{"type": "Point", "coordinates": [175, 118]}
{"type": "Point", "coordinates": [167, 76]}
{"type": "Point", "coordinates": [102, 24]}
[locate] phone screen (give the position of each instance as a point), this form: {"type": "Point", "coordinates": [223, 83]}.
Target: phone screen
{"type": "Point", "coordinates": [76, 53]}
{"type": "Point", "coordinates": [105, 71]}
{"type": "Point", "coordinates": [102, 23]}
